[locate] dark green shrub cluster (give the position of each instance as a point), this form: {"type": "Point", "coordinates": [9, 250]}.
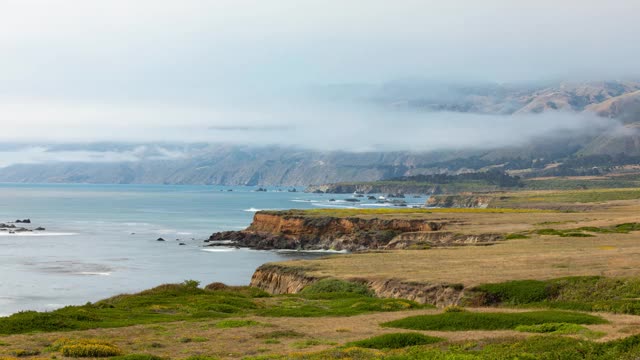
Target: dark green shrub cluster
{"type": "Point", "coordinates": [461, 321]}
{"type": "Point", "coordinates": [90, 350]}
{"type": "Point", "coordinates": [517, 292]}
{"type": "Point", "coordinates": [558, 328]}
{"type": "Point", "coordinates": [325, 286]}
{"type": "Point", "coordinates": [395, 341]}
{"type": "Point", "coordinates": [515, 236]}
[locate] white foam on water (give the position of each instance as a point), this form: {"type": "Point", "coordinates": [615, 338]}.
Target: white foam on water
{"type": "Point", "coordinates": [220, 249]}
{"type": "Point", "coordinates": [166, 231]}
{"type": "Point", "coordinates": [94, 273]}
{"type": "Point", "coordinates": [252, 210]}
{"type": "Point", "coordinates": [334, 206]}
{"type": "Point", "coordinates": [39, 233]}
{"type": "Point", "coordinates": [313, 251]}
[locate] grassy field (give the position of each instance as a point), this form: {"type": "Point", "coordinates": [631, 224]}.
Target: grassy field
{"type": "Point", "coordinates": [563, 285]}
{"type": "Point", "coordinates": [178, 302]}
{"type": "Point", "coordinates": [541, 347]}
{"type": "Point", "coordinates": [464, 320]}
{"type": "Point", "coordinates": [573, 196]}
{"type": "Point", "coordinates": [253, 331]}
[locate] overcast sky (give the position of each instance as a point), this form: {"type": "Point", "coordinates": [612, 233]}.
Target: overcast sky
{"type": "Point", "coordinates": [143, 70]}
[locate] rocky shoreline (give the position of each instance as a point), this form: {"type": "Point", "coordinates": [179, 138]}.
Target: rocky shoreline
{"type": "Point", "coordinates": [11, 228]}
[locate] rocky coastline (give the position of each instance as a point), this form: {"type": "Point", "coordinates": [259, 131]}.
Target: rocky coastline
{"type": "Point", "coordinates": [286, 230]}
{"type": "Point", "coordinates": [12, 228]}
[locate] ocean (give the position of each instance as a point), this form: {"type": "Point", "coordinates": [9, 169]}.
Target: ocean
{"type": "Point", "coordinates": [101, 240]}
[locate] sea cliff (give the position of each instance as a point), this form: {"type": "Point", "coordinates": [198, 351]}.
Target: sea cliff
{"type": "Point", "coordinates": [290, 230]}
{"type": "Point", "coordinates": [280, 279]}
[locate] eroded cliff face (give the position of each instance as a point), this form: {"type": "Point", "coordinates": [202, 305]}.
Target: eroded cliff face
{"type": "Point", "coordinates": [281, 231]}
{"type": "Point", "coordinates": [440, 295]}
{"type": "Point", "coordinates": [278, 280]}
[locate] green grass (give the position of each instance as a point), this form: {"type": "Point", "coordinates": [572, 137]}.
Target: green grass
{"type": "Point", "coordinates": [335, 286]}
{"type": "Point", "coordinates": [548, 347]}
{"type": "Point", "coordinates": [303, 344]}
{"type": "Point", "coordinates": [586, 230]}
{"type": "Point", "coordinates": [581, 293]}
{"type": "Point", "coordinates": [395, 341]}
{"type": "Point", "coordinates": [515, 236]}
{"type": "Point", "coordinates": [516, 292]}
{"type": "Point", "coordinates": [560, 329]}
{"type": "Point", "coordinates": [577, 196]}
{"type": "Point", "coordinates": [188, 302]}
{"type": "Point", "coordinates": [297, 306]}
{"type": "Point", "coordinates": [462, 321]}
{"type": "Point", "coordinates": [578, 184]}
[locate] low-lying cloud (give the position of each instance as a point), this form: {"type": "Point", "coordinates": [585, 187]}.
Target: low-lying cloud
{"type": "Point", "coordinates": [28, 154]}
{"type": "Point", "coordinates": [314, 126]}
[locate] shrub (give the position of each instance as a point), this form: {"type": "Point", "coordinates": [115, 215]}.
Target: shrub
{"type": "Point", "coordinates": [454, 308]}
{"type": "Point", "coordinates": [24, 353]}
{"type": "Point", "coordinates": [515, 236]}
{"type": "Point", "coordinates": [336, 286]}
{"type": "Point", "coordinates": [558, 328]}
{"type": "Point", "coordinates": [395, 341]}
{"type": "Point", "coordinates": [60, 343]}
{"type": "Point", "coordinates": [461, 321]}
{"type": "Point", "coordinates": [90, 350]}
{"type": "Point", "coordinates": [517, 292]}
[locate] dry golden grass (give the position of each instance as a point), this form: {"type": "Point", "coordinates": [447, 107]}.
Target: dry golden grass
{"type": "Point", "coordinates": [539, 257]}
{"type": "Point", "coordinates": [167, 340]}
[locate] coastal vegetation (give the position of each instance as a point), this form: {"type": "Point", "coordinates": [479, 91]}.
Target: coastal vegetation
{"type": "Point", "coordinates": [188, 302]}
{"type": "Point", "coordinates": [466, 320]}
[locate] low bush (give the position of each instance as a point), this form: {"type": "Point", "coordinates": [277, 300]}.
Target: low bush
{"type": "Point", "coordinates": [395, 341]}
{"type": "Point", "coordinates": [454, 308]}
{"type": "Point", "coordinates": [515, 236]}
{"type": "Point", "coordinates": [336, 286]}
{"type": "Point", "coordinates": [90, 350]}
{"type": "Point", "coordinates": [24, 353]}
{"type": "Point", "coordinates": [461, 321]}
{"type": "Point", "coordinates": [517, 292]}
{"type": "Point", "coordinates": [556, 328]}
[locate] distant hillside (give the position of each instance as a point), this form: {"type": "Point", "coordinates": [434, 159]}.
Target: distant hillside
{"type": "Point", "coordinates": [274, 165]}
{"type": "Point", "coordinates": [625, 107]}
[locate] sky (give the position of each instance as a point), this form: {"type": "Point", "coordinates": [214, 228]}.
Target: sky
{"type": "Point", "coordinates": [240, 71]}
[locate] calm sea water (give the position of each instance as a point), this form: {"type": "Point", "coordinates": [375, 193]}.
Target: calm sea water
{"type": "Point", "coordinates": [100, 240]}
